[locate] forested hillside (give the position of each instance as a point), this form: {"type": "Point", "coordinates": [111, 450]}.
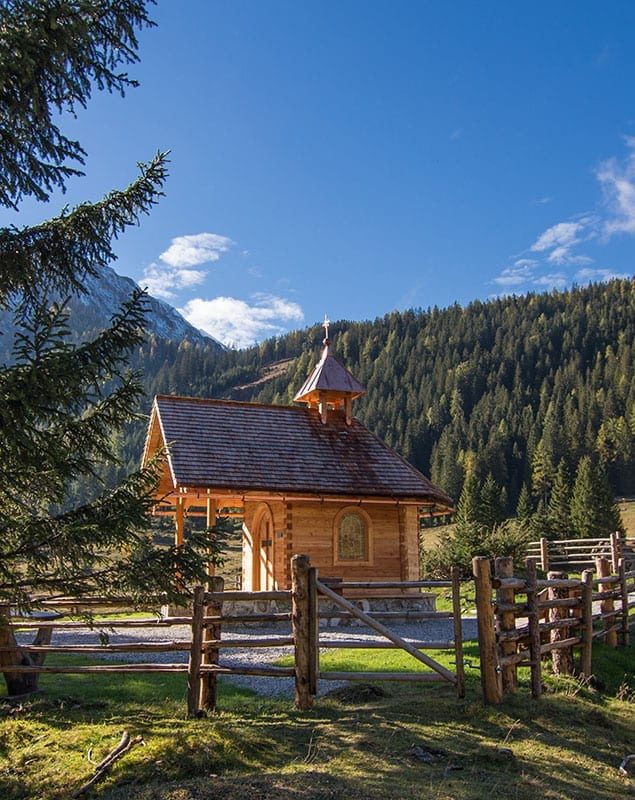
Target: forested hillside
{"type": "Point", "coordinates": [506, 387]}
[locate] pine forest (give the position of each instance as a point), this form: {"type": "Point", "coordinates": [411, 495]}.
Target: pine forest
{"type": "Point", "coordinates": [531, 392]}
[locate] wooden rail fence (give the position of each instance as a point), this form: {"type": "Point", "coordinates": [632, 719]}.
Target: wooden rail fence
{"type": "Point", "coordinates": [308, 638]}
{"type": "Point", "coordinates": [209, 618]}
{"type": "Point", "coordinates": [577, 554]}
{"type": "Point", "coordinates": [523, 620]}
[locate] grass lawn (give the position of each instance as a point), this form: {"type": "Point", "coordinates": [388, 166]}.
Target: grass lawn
{"type": "Point", "coordinates": [353, 744]}
{"type": "Point", "coordinates": [627, 510]}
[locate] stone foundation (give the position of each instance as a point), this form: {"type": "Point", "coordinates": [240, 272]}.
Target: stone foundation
{"type": "Point", "coordinates": [421, 602]}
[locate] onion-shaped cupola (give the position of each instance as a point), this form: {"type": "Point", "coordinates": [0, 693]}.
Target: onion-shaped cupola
{"type": "Point", "coordinates": [330, 385]}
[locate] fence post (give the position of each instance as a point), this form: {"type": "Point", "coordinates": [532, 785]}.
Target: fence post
{"type": "Point", "coordinates": [615, 552]}
{"type": "Point", "coordinates": [212, 632]}
{"type": "Point", "coordinates": [606, 603]}
{"type": "Point", "coordinates": [314, 631]}
{"type": "Point", "coordinates": [487, 647]}
{"type": "Point", "coordinates": [533, 621]}
{"type": "Point", "coordinates": [621, 569]}
{"type": "Point", "coordinates": [506, 621]}
{"type": "Point", "coordinates": [561, 659]}
{"type": "Point", "coordinates": [544, 554]}
{"type": "Point", "coordinates": [300, 620]}
{"type": "Point", "coordinates": [458, 631]}
{"type": "Point", "coordinates": [196, 650]}
{"type": "Point", "coordinates": [587, 624]}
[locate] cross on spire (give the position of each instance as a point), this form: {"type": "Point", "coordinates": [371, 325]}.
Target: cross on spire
{"type": "Point", "coordinates": [326, 324]}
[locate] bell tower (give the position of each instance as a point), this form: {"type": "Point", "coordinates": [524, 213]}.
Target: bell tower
{"type": "Point", "coordinates": [330, 386]}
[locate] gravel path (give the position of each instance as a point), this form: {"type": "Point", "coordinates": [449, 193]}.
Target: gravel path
{"type": "Point", "coordinates": [429, 630]}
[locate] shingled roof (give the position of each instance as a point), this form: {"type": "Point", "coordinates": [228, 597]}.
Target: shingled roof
{"type": "Point", "coordinates": [226, 444]}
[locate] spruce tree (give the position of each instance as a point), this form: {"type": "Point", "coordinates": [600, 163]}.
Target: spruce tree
{"type": "Point", "coordinates": [559, 511]}
{"type": "Point", "coordinates": [467, 509]}
{"type": "Point", "coordinates": [584, 520]}
{"type": "Point", "coordinates": [491, 510]}
{"type": "Point", "coordinates": [524, 508]}
{"type": "Point", "coordinates": [539, 521]}
{"type": "Point", "coordinates": [542, 472]}
{"type": "Point", "coordinates": [61, 402]}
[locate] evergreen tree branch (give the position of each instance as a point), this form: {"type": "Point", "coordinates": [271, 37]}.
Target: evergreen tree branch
{"type": "Point", "coordinates": [52, 53]}
{"type": "Point", "coordinates": [57, 255]}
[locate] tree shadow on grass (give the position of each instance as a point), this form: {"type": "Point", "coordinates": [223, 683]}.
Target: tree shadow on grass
{"type": "Point", "coordinates": [358, 747]}
{"type": "Point", "coordinates": [307, 786]}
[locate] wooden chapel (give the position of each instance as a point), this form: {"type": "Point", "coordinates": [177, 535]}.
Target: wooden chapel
{"type": "Point", "coordinates": [311, 479]}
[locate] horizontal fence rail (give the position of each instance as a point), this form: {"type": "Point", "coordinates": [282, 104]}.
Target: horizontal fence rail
{"type": "Point", "coordinates": [556, 554]}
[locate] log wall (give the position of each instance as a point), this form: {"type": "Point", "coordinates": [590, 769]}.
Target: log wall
{"type": "Point", "coordinates": [310, 528]}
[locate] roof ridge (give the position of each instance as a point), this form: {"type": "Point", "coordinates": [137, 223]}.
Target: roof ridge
{"type": "Point", "coordinates": [227, 401]}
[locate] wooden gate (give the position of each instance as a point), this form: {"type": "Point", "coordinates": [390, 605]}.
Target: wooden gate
{"type": "Point", "coordinates": [309, 638]}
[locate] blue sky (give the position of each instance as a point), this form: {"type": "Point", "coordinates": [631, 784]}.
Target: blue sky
{"type": "Point", "coordinates": [352, 158]}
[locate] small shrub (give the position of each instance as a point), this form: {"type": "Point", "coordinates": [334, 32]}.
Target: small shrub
{"type": "Point", "coordinates": [508, 538]}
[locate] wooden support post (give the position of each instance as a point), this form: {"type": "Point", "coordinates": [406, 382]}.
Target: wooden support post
{"type": "Point", "coordinates": [615, 552]}
{"type": "Point", "coordinates": [533, 620]}
{"type": "Point", "coordinates": [603, 568]}
{"type": "Point", "coordinates": [196, 654]}
{"type": "Point", "coordinates": [210, 522]}
{"type": "Point", "coordinates": [561, 659]}
{"type": "Point", "coordinates": [587, 624]}
{"type": "Point", "coordinates": [300, 620]}
{"type": "Point", "coordinates": [544, 554]}
{"type": "Point", "coordinates": [314, 631]}
{"type": "Point", "coordinates": [458, 631]}
{"type": "Point", "coordinates": [621, 571]}
{"type": "Point", "coordinates": [506, 621]}
{"type": "Point", "coordinates": [348, 410]}
{"type": "Point", "coordinates": [209, 688]}
{"type": "Point", "coordinates": [323, 408]}
{"type": "Point", "coordinates": [179, 521]}
{"type": "Point", "coordinates": [179, 527]}
{"type": "Point", "coordinates": [488, 649]}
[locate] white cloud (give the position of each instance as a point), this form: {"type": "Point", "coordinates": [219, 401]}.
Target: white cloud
{"type": "Point", "coordinates": [163, 281]}
{"type": "Point", "coordinates": [556, 280]}
{"type": "Point", "coordinates": [523, 274]}
{"type": "Point", "coordinates": [563, 255]}
{"type": "Point", "coordinates": [515, 276]}
{"type": "Point", "coordinates": [557, 242]}
{"type": "Point", "coordinates": [557, 247]}
{"type": "Point", "coordinates": [563, 234]}
{"type": "Point", "coordinates": [599, 275]}
{"type": "Point", "coordinates": [198, 248]}
{"type": "Point", "coordinates": [238, 323]}
{"type": "Point", "coordinates": [618, 184]}
{"type": "Point", "coordinates": [542, 201]}
{"type": "Point", "coordinates": [174, 273]}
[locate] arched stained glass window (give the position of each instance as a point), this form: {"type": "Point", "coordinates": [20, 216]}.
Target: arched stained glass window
{"type": "Point", "coordinates": [352, 539]}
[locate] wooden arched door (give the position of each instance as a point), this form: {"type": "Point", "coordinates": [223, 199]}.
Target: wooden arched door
{"type": "Point", "coordinates": [263, 550]}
